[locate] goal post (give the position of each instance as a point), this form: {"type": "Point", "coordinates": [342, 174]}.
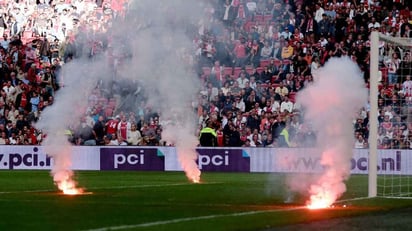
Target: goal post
{"type": "Point", "coordinates": [395, 182]}
{"type": "Point", "coordinates": [373, 124]}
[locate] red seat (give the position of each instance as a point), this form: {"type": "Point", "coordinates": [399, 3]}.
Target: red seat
{"type": "Point", "coordinates": [264, 62]}
{"type": "Point", "coordinates": [249, 70]}
{"type": "Point", "coordinates": [206, 70]}
{"type": "Point", "coordinates": [277, 63]}
{"type": "Point", "coordinates": [237, 71]}
{"type": "Point", "coordinates": [227, 71]}
{"type": "Point", "coordinates": [267, 17]}
{"type": "Point", "coordinates": [286, 62]}
{"type": "Point", "coordinates": [292, 96]}
{"type": "Point", "coordinates": [259, 18]}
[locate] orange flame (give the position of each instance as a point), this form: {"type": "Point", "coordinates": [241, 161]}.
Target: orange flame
{"type": "Point", "coordinates": [321, 200]}
{"type": "Point", "coordinates": [196, 180]}
{"type": "Point", "coordinates": [195, 177]}
{"type": "Point", "coordinates": [69, 187]}
{"type": "Point", "coordinates": [64, 181]}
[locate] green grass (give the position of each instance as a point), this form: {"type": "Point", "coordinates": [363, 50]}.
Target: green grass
{"type": "Point", "coordinates": [128, 200]}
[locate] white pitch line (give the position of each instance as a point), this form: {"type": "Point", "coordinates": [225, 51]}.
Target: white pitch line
{"type": "Point", "coordinates": [115, 187]}
{"type": "Point", "coordinates": [353, 199]}
{"type": "Point", "coordinates": [28, 191]}
{"type": "Point", "coordinates": [156, 223]}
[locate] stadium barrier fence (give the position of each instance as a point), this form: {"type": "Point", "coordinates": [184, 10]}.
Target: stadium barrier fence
{"type": "Point", "coordinates": [287, 160]}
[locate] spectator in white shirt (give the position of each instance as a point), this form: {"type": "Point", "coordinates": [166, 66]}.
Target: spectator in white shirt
{"type": "Point", "coordinates": [242, 79]}
{"type": "Point", "coordinates": [407, 86]}
{"type": "Point", "coordinates": [319, 12]}
{"type": "Point", "coordinates": [266, 51]}
{"type": "Point", "coordinates": [360, 142]}
{"type": "Point", "coordinates": [286, 105]}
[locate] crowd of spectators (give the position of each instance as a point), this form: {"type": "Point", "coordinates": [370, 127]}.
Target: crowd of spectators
{"type": "Point", "coordinates": [37, 38]}
{"type": "Point", "coordinates": [256, 55]}
{"type": "Point", "coordinates": [252, 57]}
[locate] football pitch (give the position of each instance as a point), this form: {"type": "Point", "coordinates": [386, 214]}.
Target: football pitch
{"type": "Point", "coordinates": [168, 201]}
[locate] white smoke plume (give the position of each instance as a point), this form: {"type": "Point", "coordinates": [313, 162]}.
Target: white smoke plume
{"type": "Point", "coordinates": [151, 42]}
{"type": "Point", "coordinates": [330, 105]}
{"type": "Point", "coordinates": [79, 80]}
{"type": "Point", "coordinates": [158, 56]}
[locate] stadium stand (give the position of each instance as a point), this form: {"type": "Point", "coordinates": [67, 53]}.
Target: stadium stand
{"type": "Point", "coordinates": [38, 39]}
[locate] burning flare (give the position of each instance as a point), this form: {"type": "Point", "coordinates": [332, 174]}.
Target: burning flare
{"type": "Point", "coordinates": [321, 201]}
{"type": "Point", "coordinates": [340, 80]}
{"type": "Point", "coordinates": [66, 184]}
{"type": "Point", "coordinates": [69, 187]}
{"type": "Point", "coordinates": [186, 150]}
{"type": "Point", "coordinates": [190, 167]}
{"type": "Point", "coordinates": [195, 178]}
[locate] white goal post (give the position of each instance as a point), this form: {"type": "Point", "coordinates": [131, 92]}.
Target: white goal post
{"type": "Point", "coordinates": [376, 39]}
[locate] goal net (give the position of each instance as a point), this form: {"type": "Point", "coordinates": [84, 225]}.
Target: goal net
{"type": "Point", "coordinates": [390, 136]}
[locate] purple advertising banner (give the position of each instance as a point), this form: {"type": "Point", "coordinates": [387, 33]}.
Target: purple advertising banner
{"type": "Point", "coordinates": [223, 160]}
{"type": "Point", "coordinates": [131, 159]}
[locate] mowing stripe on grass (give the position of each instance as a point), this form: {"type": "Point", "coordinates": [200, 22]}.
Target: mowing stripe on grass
{"type": "Point", "coordinates": [150, 185]}
{"type": "Point", "coordinates": [156, 223]}
{"type": "Point", "coordinates": [114, 187]}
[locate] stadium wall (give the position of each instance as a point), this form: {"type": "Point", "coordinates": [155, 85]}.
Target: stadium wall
{"type": "Point", "coordinates": [210, 159]}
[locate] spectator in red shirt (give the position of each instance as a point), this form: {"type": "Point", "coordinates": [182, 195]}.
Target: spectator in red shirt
{"type": "Point", "coordinates": [240, 53]}
{"type": "Point", "coordinates": [123, 127]}
{"type": "Point", "coordinates": [112, 125]}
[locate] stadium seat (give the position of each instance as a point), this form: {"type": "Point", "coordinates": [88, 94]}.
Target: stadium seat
{"type": "Point", "coordinates": [277, 63]}
{"type": "Point", "coordinates": [292, 96]}
{"type": "Point", "coordinates": [264, 62]}
{"type": "Point", "coordinates": [249, 69]}
{"type": "Point", "coordinates": [237, 71]}
{"type": "Point", "coordinates": [206, 70]}
{"type": "Point", "coordinates": [227, 71]}
{"type": "Point", "coordinates": [267, 17]}
{"type": "Point", "coordinates": [286, 62]}
{"type": "Point", "coordinates": [259, 18]}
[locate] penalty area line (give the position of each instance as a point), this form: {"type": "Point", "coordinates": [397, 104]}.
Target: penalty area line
{"type": "Point", "coordinates": [178, 220]}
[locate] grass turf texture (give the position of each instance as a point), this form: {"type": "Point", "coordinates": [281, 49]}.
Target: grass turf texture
{"type": "Point", "coordinates": [167, 201]}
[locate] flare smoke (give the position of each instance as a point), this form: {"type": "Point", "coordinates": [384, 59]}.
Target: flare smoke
{"type": "Point", "coordinates": [151, 43]}
{"type": "Point", "coordinates": [330, 105]}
